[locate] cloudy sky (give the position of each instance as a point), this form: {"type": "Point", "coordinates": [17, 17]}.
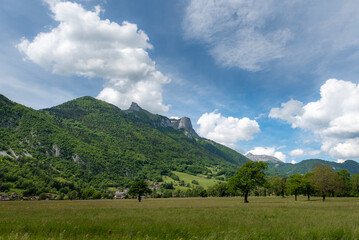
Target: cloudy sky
{"type": "Point", "coordinates": [271, 77]}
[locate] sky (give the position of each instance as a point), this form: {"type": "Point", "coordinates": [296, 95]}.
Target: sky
{"type": "Point", "coordinates": [269, 77]}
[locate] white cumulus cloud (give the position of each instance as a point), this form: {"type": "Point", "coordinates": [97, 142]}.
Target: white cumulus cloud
{"type": "Point", "coordinates": [226, 130]}
{"type": "Point", "coordinates": [83, 44]}
{"type": "Point", "coordinates": [296, 152]}
{"type": "Point", "coordinates": [334, 118]}
{"type": "Point", "coordinates": [270, 151]}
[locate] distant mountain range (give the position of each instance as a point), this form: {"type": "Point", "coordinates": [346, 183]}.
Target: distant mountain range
{"type": "Point", "coordinates": [277, 167]}
{"type": "Point", "coordinates": [90, 143]}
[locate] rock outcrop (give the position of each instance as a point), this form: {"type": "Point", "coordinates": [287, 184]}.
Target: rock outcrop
{"type": "Point", "coordinates": [134, 107]}
{"type": "Point", "coordinates": [186, 124]}
{"type": "Point", "coordinates": [161, 121]}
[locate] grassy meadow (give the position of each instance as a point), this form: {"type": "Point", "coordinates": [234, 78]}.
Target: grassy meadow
{"type": "Point", "coordinates": [189, 218]}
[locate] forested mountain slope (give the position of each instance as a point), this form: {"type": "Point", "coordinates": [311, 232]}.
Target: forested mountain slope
{"type": "Point", "coordinates": [287, 169]}
{"type": "Point", "coordinates": [87, 142]}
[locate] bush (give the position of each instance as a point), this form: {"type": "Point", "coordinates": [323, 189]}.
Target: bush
{"type": "Point", "coordinates": [42, 196]}
{"type": "Point", "coordinates": [167, 193]}
{"type": "Point", "coordinates": [5, 187]}
{"type": "Point", "coordinates": [168, 185]}
{"type": "Point", "coordinates": [72, 195]}
{"type": "Point", "coordinates": [96, 195]}
{"type": "Point", "coordinates": [195, 182]}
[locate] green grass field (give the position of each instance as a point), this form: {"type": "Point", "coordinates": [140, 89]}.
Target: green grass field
{"type": "Point", "coordinates": [204, 182]}
{"type": "Point", "coordinates": [191, 218]}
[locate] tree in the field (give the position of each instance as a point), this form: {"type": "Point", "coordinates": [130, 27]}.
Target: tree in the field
{"type": "Point", "coordinates": [308, 184]}
{"type": "Point", "coordinates": [296, 185]}
{"type": "Point", "coordinates": [344, 183]}
{"type": "Point", "coordinates": [279, 185]}
{"type": "Point", "coordinates": [324, 179]}
{"type": "Point", "coordinates": [248, 177]}
{"type": "Point", "coordinates": [355, 185]}
{"type": "Point", "coordinates": [139, 188]}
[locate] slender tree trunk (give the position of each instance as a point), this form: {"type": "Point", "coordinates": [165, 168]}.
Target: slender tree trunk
{"type": "Point", "coordinates": [139, 197]}
{"type": "Point", "coordinates": [246, 196]}
{"type": "Point", "coordinates": [308, 196]}
{"type": "Point", "coordinates": [323, 198]}
{"type": "Point", "coordinates": [295, 197]}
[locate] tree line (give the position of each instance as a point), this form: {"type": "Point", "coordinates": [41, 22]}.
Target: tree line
{"type": "Point", "coordinates": [250, 179]}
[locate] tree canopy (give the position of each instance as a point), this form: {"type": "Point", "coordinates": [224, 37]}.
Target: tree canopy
{"type": "Point", "coordinates": [249, 176]}
{"type": "Point", "coordinates": [139, 189]}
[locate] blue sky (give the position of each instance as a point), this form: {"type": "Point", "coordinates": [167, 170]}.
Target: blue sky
{"type": "Point", "coordinates": [263, 76]}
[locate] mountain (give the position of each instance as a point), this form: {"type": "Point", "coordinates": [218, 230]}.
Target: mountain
{"type": "Point", "coordinates": [277, 167]}
{"type": "Point", "coordinates": [90, 143]}
{"type": "Point", "coordinates": [263, 158]}
{"type": "Point", "coordinates": [307, 165]}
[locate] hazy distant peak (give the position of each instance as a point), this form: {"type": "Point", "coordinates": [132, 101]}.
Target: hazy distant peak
{"type": "Point", "coordinates": [263, 158]}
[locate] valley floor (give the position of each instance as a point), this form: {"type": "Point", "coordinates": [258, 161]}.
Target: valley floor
{"type": "Point", "coordinates": [189, 218]}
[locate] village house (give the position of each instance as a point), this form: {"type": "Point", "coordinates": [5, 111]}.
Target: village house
{"type": "Point", "coordinates": [4, 197]}
{"type": "Point", "coordinates": [121, 194]}
{"type": "Point", "coordinates": [155, 186]}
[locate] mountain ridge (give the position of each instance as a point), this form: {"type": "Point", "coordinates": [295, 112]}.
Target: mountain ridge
{"type": "Point", "coordinates": [89, 142]}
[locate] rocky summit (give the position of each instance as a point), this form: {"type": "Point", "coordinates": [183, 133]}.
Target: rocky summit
{"type": "Point", "coordinates": [186, 124]}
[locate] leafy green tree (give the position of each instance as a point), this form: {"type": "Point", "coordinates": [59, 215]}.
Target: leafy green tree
{"type": "Point", "coordinates": [203, 193]}
{"type": "Point", "coordinates": [4, 187]}
{"type": "Point", "coordinates": [324, 179]}
{"type": "Point", "coordinates": [344, 184]}
{"type": "Point", "coordinates": [139, 188]}
{"type": "Point", "coordinates": [87, 193]}
{"type": "Point", "coordinates": [296, 185]}
{"type": "Point", "coordinates": [167, 193]}
{"type": "Point", "coordinates": [96, 195]}
{"type": "Point", "coordinates": [179, 193]}
{"type": "Point", "coordinates": [42, 196]}
{"type": "Point", "coordinates": [355, 185]}
{"type": "Point", "coordinates": [279, 185]}
{"type": "Point", "coordinates": [218, 190]}
{"type": "Point", "coordinates": [308, 184]}
{"type": "Point", "coordinates": [248, 177]}
{"type": "Point", "coordinates": [72, 195]}
{"type": "Point", "coordinates": [167, 185]}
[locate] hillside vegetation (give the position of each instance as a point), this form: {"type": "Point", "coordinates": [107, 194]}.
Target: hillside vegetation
{"type": "Point", "coordinates": [88, 143]}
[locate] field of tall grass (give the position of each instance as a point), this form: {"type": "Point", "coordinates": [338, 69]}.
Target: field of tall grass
{"type": "Point", "coordinates": [175, 218]}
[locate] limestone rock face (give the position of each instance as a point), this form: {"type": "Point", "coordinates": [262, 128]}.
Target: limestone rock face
{"type": "Point", "coordinates": [165, 122]}
{"type": "Point", "coordinates": [186, 124]}
{"type": "Point", "coordinates": [161, 121]}
{"type": "Point", "coordinates": [134, 107]}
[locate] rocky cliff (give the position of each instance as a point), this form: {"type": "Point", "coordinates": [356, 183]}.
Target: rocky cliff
{"type": "Point", "coordinates": [186, 124]}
